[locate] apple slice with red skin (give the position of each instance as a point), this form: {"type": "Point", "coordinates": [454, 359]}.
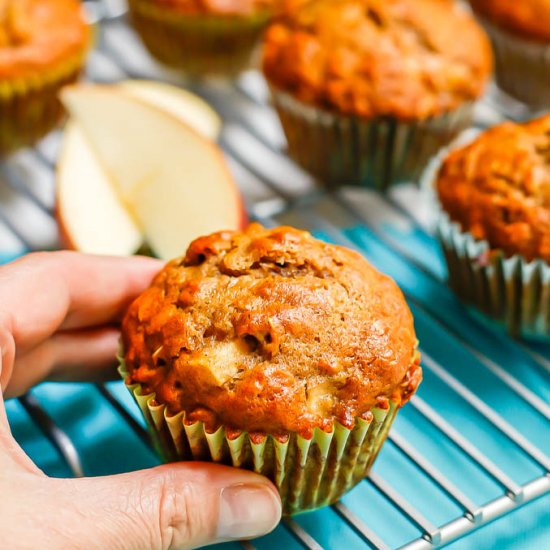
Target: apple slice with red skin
{"type": "Point", "coordinates": [90, 216]}
{"type": "Point", "coordinates": [173, 182]}
{"type": "Point", "coordinates": [182, 104]}
{"type": "Point", "coordinates": [88, 211]}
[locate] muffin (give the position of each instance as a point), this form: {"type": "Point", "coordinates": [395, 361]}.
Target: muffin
{"type": "Point", "coordinates": [368, 90]}
{"type": "Point", "coordinates": [520, 34]}
{"type": "Point", "coordinates": [495, 196]}
{"type": "Point", "coordinates": [202, 37]}
{"type": "Point", "coordinates": [272, 351]}
{"type": "Point", "coordinates": [43, 45]}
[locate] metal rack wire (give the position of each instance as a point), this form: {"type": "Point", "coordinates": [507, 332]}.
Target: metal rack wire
{"type": "Point", "coordinates": [277, 192]}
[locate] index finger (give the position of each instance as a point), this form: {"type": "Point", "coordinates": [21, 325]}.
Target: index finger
{"type": "Point", "coordinates": [49, 291]}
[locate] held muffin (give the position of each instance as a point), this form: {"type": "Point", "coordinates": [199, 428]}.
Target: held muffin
{"type": "Point", "coordinates": [272, 351]}
{"type": "Point", "coordinates": [368, 90]}
{"type": "Point", "coordinates": [202, 37]}
{"type": "Point", "coordinates": [43, 45]}
{"type": "Point", "coordinates": [495, 229]}
{"type": "Point", "coordinates": [520, 34]}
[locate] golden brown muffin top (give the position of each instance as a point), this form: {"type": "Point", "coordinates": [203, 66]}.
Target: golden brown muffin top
{"type": "Point", "coordinates": [498, 188]}
{"type": "Point", "coordinates": [218, 7]}
{"type": "Point", "coordinates": [529, 18]}
{"type": "Point", "coordinates": [409, 59]}
{"type": "Point", "coordinates": [39, 34]}
{"type": "Point", "coordinates": [271, 331]}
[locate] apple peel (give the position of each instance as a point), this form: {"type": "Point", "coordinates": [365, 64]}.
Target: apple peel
{"type": "Point", "coordinates": [90, 215]}
{"type": "Point", "coordinates": [174, 182]}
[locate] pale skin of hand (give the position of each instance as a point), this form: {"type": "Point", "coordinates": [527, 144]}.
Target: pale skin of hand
{"type": "Point", "coordinates": [58, 321]}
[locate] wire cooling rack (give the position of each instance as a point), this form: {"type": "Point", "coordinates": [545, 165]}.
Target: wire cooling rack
{"type": "Point", "coordinates": [471, 447]}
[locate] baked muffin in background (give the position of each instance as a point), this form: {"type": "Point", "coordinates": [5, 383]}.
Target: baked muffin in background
{"type": "Point", "coordinates": [368, 90]}
{"type": "Point", "coordinates": [202, 37]}
{"type": "Point", "coordinates": [43, 45]}
{"type": "Point", "coordinates": [495, 195]}
{"type": "Point", "coordinates": [273, 351]}
{"type": "Point", "coordinates": [520, 34]}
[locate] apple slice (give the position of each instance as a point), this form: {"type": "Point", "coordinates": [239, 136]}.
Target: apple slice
{"type": "Point", "coordinates": [91, 217]}
{"type": "Point", "coordinates": [182, 104]}
{"type": "Point", "coordinates": [172, 180]}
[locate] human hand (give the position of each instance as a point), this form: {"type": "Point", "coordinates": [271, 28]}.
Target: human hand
{"type": "Point", "coordinates": [58, 317]}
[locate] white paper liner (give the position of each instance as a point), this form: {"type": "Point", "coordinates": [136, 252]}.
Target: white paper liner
{"type": "Point", "coordinates": [522, 67]}
{"type": "Point", "coordinates": [345, 150]}
{"type": "Point", "coordinates": [509, 290]}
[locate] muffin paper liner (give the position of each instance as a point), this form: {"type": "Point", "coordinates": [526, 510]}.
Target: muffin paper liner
{"type": "Point", "coordinates": [199, 45]}
{"type": "Point", "coordinates": [309, 473]}
{"type": "Point", "coordinates": [30, 107]}
{"type": "Point", "coordinates": [511, 291]}
{"type": "Point", "coordinates": [346, 150]}
{"type": "Point", "coordinates": [522, 66]}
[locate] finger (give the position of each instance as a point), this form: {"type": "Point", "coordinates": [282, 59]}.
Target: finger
{"type": "Point", "coordinates": [178, 506]}
{"type": "Point", "coordinates": [46, 291]}
{"type": "Point", "coordinates": [12, 457]}
{"type": "Point", "coordinates": [7, 356]}
{"type": "Point", "coordinates": [76, 356]}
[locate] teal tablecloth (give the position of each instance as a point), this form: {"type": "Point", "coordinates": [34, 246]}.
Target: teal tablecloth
{"type": "Point", "coordinates": [108, 445]}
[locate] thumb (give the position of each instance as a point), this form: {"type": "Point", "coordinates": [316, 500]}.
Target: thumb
{"type": "Point", "coordinates": [177, 506]}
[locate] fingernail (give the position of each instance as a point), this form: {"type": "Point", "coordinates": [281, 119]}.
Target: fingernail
{"type": "Point", "coordinates": [247, 511]}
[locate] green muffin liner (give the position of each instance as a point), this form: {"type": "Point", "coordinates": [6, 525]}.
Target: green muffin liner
{"type": "Point", "coordinates": [345, 150]}
{"type": "Point", "coordinates": [510, 290]}
{"type": "Point", "coordinates": [200, 45]}
{"type": "Point", "coordinates": [522, 66]}
{"type": "Point", "coordinates": [30, 107]}
{"type": "Point", "coordinates": [309, 473]}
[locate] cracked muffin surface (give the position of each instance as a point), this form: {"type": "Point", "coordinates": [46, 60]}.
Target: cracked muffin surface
{"type": "Point", "coordinates": [410, 59]}
{"type": "Point", "coordinates": [36, 35]}
{"type": "Point", "coordinates": [498, 188]}
{"type": "Point", "coordinates": [272, 331]}
{"type": "Point", "coordinates": [528, 18]}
